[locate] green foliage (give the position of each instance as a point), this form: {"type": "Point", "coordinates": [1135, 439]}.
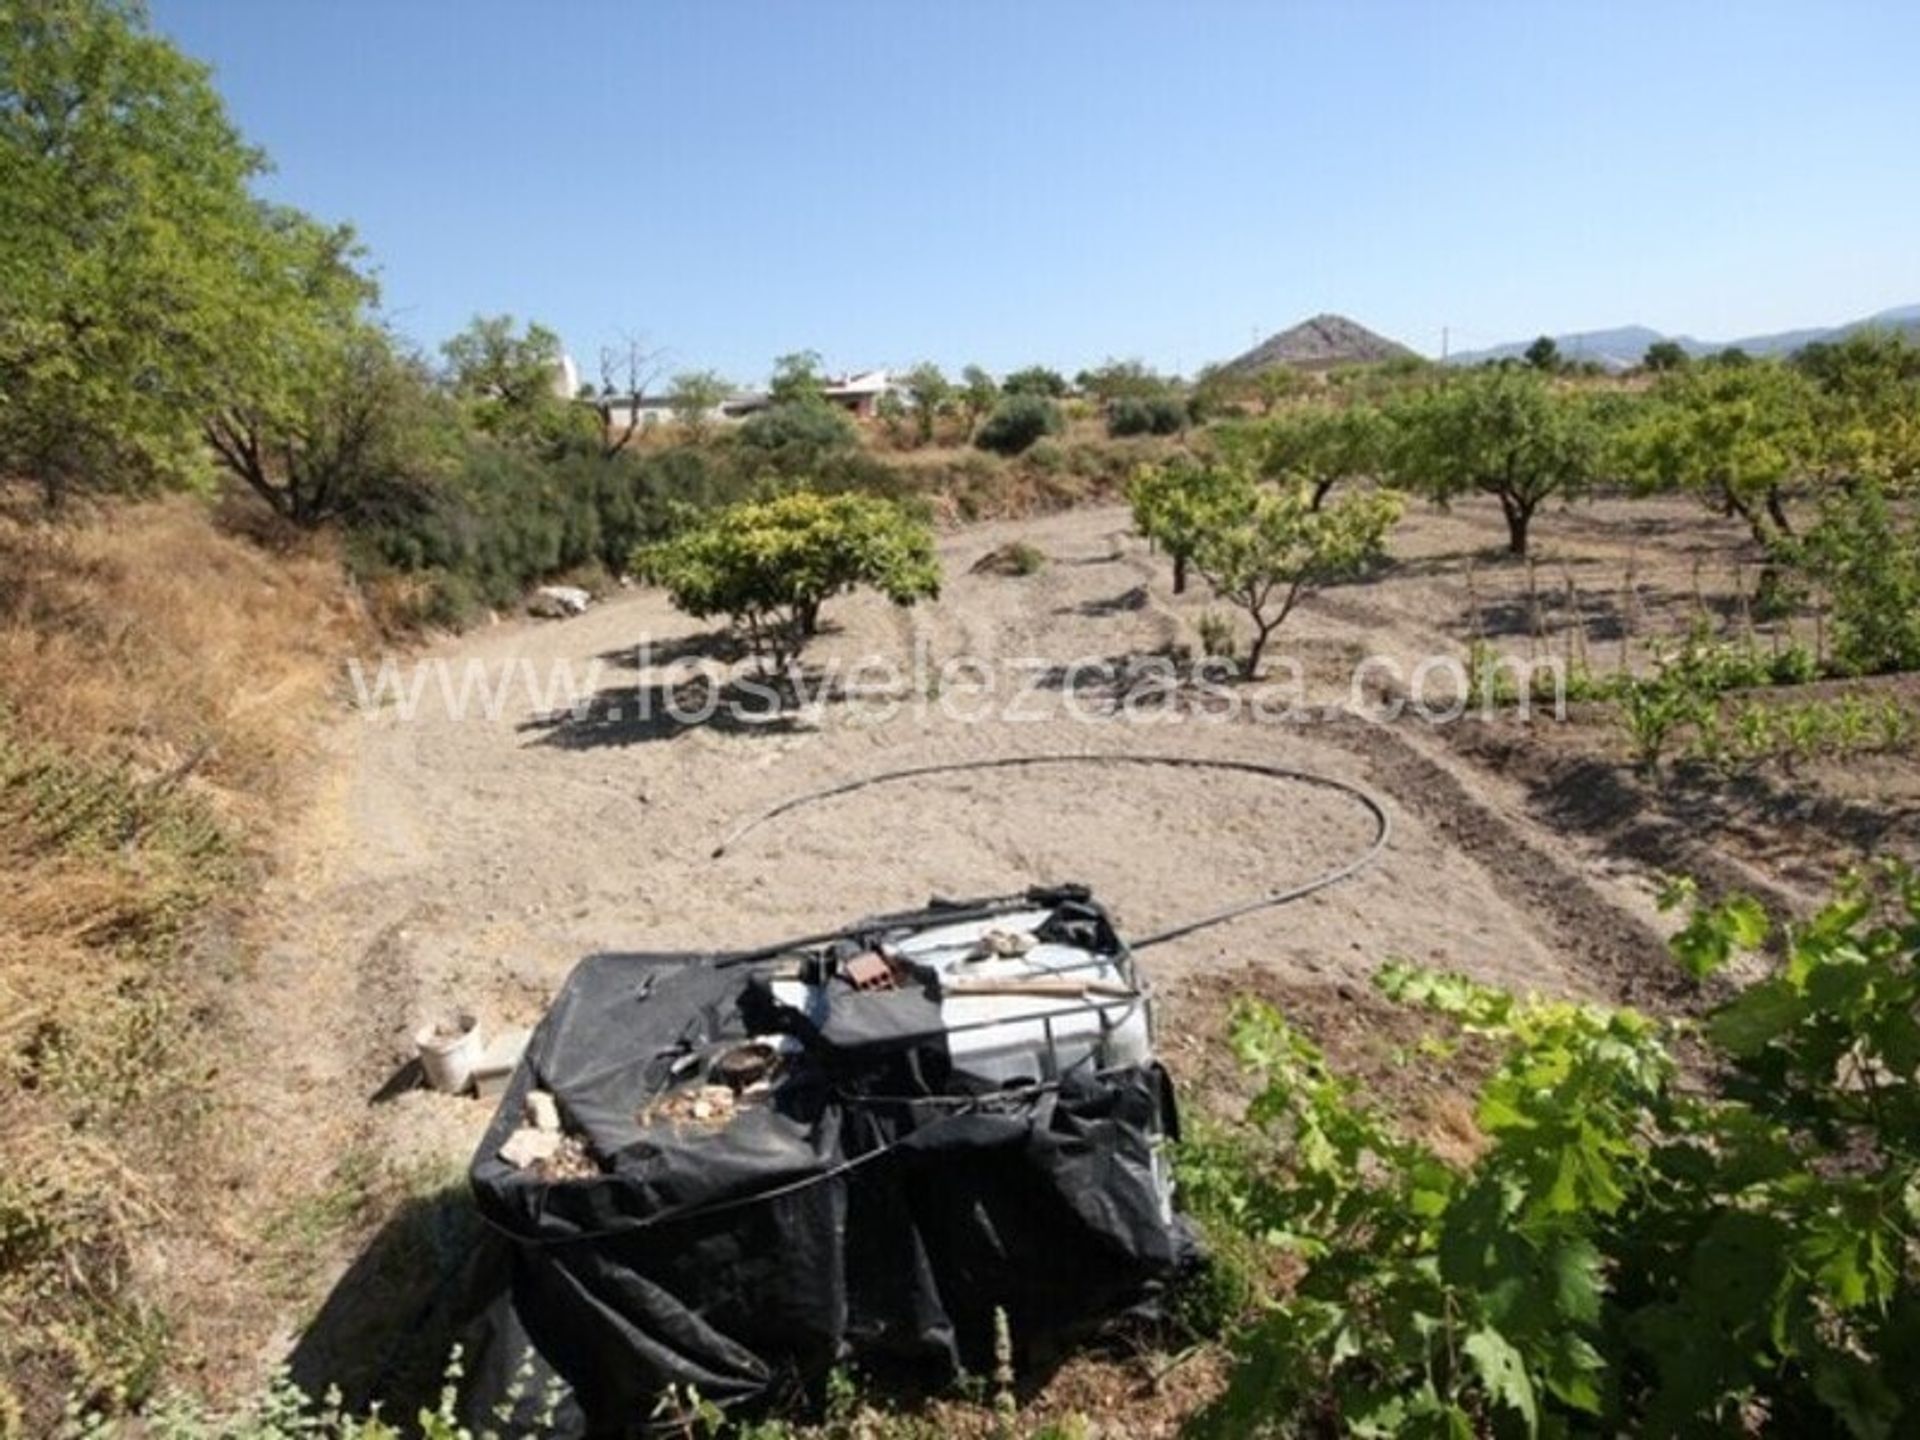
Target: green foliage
{"type": "Point", "coordinates": [1035, 380]}
{"type": "Point", "coordinates": [1216, 635]}
{"type": "Point", "coordinates": [1626, 1254]}
{"type": "Point", "coordinates": [1502, 432]}
{"type": "Point", "coordinates": [353, 432]}
{"type": "Point", "coordinates": [1664, 355]}
{"type": "Point", "coordinates": [1262, 550]}
{"type": "Point", "coordinates": [977, 394]}
{"type": "Point", "coordinates": [507, 381]}
{"type": "Point", "coordinates": [1543, 354]}
{"type": "Point", "coordinates": [1869, 563]}
{"type": "Point", "coordinates": [1321, 446]}
{"type": "Point", "coordinates": [768, 566]}
{"type": "Point", "coordinates": [795, 438]}
{"type": "Point", "coordinates": [138, 274]}
{"type": "Point", "coordinates": [1682, 691]}
{"type": "Point", "coordinates": [1146, 415]}
{"type": "Point", "coordinates": [931, 392]}
{"type": "Point", "coordinates": [500, 520]}
{"type": "Point", "coordinates": [1867, 404]}
{"type": "Point", "coordinates": [1017, 422]}
{"type": "Point", "coordinates": [1754, 732]}
{"type": "Point", "coordinates": [1122, 379]}
{"type": "Point", "coordinates": [1176, 505]}
{"type": "Point", "coordinates": [1736, 436]}
{"type": "Point", "coordinates": [797, 379]}
{"type": "Point", "coordinates": [695, 395]}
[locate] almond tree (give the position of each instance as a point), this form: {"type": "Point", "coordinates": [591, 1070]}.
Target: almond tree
{"type": "Point", "coordinates": [1500, 431]}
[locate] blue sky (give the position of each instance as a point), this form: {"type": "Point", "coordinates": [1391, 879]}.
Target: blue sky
{"type": "Point", "coordinates": [1055, 182]}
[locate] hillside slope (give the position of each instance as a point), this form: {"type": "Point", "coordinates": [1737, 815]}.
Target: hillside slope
{"type": "Point", "coordinates": [1317, 344]}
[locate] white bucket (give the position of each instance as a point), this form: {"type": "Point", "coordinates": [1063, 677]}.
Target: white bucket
{"type": "Point", "coordinates": [449, 1053]}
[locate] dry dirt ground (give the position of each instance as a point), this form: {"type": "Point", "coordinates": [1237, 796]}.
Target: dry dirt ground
{"type": "Point", "coordinates": [464, 861]}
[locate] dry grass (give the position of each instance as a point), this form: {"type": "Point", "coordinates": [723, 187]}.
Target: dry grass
{"type": "Point", "coordinates": [158, 677]}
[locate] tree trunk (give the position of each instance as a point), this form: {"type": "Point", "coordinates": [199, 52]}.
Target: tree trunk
{"type": "Point", "coordinates": [1257, 649]}
{"type": "Point", "coordinates": [1321, 489]}
{"type": "Point", "coordinates": [1777, 510]}
{"type": "Point", "coordinates": [1179, 574]}
{"type": "Point", "coordinates": [1519, 516]}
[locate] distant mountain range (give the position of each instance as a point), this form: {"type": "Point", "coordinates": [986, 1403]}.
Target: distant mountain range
{"type": "Point", "coordinates": [1317, 344]}
{"type": "Point", "coordinates": [1622, 348]}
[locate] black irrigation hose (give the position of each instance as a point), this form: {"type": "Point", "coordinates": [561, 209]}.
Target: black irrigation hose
{"type": "Point", "coordinates": [1383, 823]}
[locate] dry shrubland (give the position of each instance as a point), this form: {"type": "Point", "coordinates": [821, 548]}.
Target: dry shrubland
{"type": "Point", "coordinates": [158, 679]}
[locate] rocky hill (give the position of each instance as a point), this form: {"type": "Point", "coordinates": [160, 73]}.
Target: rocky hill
{"type": "Point", "coordinates": [1317, 344]}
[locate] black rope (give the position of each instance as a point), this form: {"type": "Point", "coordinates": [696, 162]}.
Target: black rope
{"type": "Point", "coordinates": [1383, 823]}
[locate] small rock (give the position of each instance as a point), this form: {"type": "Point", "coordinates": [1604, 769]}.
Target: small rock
{"type": "Point", "coordinates": [557, 602]}
{"type": "Point", "coordinates": [543, 1111]}
{"type": "Point", "coordinates": [526, 1146]}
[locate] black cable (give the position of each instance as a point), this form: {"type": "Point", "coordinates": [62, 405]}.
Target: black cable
{"type": "Point", "coordinates": [1383, 823]}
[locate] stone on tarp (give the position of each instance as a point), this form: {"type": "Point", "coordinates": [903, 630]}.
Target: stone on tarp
{"type": "Point", "coordinates": [527, 1146]}
{"type": "Point", "coordinates": [543, 1111]}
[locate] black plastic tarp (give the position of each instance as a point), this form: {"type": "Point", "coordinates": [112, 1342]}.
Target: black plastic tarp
{"type": "Point", "coordinates": [879, 1205]}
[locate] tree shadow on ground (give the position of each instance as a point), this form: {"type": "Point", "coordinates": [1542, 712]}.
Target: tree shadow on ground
{"type": "Point", "coordinates": [752, 704]}
{"type": "Point", "coordinates": [723, 646]}
{"type": "Point", "coordinates": [1599, 613]}
{"type": "Point", "coordinates": [1130, 601]}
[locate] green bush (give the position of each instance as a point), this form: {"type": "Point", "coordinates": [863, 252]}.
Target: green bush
{"type": "Point", "coordinates": [1870, 565]}
{"type": "Point", "coordinates": [1146, 415]}
{"type": "Point", "coordinates": [797, 436]}
{"type": "Point", "coordinates": [1017, 422]}
{"type": "Point", "coordinates": [1632, 1251]}
{"type": "Point", "coordinates": [769, 565]}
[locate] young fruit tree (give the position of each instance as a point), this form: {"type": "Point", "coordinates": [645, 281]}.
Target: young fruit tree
{"type": "Point", "coordinates": [1272, 554]}
{"type": "Point", "coordinates": [769, 565]}
{"type": "Point", "coordinates": [1176, 504]}
{"type": "Point", "coordinates": [1502, 432]}
{"type": "Point", "coordinates": [1261, 549]}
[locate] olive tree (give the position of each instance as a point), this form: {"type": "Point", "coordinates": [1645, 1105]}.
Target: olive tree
{"type": "Point", "coordinates": [769, 565]}
{"type": "Point", "coordinates": [1499, 431]}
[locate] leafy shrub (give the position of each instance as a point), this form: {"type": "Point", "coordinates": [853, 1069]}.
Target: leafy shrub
{"type": "Point", "coordinates": [1048, 457]}
{"type": "Point", "coordinates": [506, 520]}
{"type": "Point", "coordinates": [1035, 380]}
{"type": "Point", "coordinates": [1871, 568]}
{"type": "Point", "coordinates": [1216, 634]}
{"type": "Point", "coordinates": [1146, 415]}
{"type": "Point", "coordinates": [1016, 423]}
{"type": "Point", "coordinates": [1016, 558]}
{"type": "Point", "coordinates": [768, 566]}
{"type": "Point", "coordinates": [797, 436]}
{"type": "Point", "coordinates": [1628, 1253]}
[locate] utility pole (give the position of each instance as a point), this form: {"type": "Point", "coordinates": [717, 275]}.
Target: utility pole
{"type": "Point", "coordinates": [1443, 344]}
